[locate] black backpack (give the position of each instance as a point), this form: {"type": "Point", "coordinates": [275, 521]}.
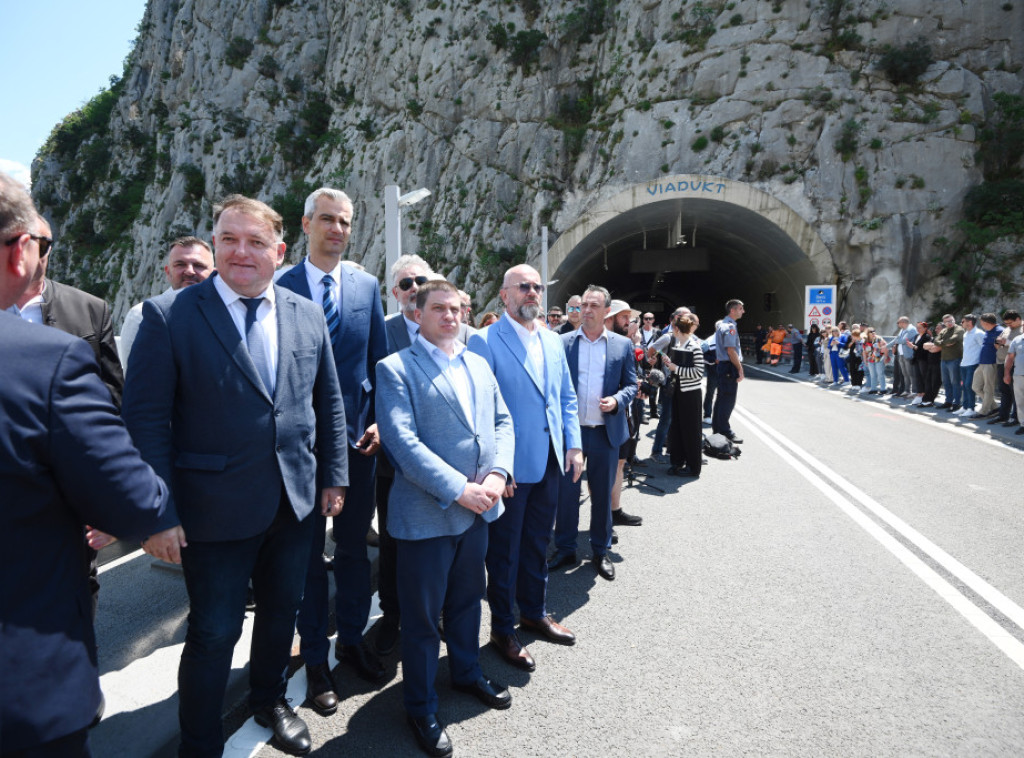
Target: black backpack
{"type": "Point", "coordinates": [719, 446]}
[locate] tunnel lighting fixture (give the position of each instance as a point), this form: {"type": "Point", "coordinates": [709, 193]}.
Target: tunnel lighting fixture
{"type": "Point", "coordinates": [394, 201]}
{"type": "Point", "coordinates": [411, 198]}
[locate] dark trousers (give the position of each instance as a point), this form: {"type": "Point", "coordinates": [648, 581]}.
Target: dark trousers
{"type": "Point", "coordinates": [602, 462]}
{"type": "Point", "coordinates": [1007, 404]}
{"type": "Point", "coordinates": [351, 568]}
{"type": "Point", "coordinates": [440, 575]}
{"type": "Point", "coordinates": [812, 362]}
{"type": "Point", "coordinates": [661, 434]}
{"type": "Point", "coordinates": [387, 587]}
{"type": "Point", "coordinates": [798, 355]}
{"type": "Point", "coordinates": [653, 400]}
{"type": "Point", "coordinates": [710, 386]}
{"type": "Point", "coordinates": [900, 383]}
{"type": "Point", "coordinates": [685, 438]}
{"type": "Point", "coordinates": [726, 400]}
{"type": "Point", "coordinates": [217, 576]}
{"type": "Point", "coordinates": [517, 569]}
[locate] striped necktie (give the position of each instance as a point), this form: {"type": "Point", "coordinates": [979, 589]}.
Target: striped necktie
{"type": "Point", "coordinates": [331, 309]}
{"type": "Point", "coordinates": [254, 340]}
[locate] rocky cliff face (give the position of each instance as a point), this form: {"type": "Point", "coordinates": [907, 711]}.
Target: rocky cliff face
{"type": "Point", "coordinates": [518, 114]}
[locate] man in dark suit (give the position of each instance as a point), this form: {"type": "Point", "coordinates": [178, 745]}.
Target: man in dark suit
{"type": "Point", "coordinates": [603, 369]}
{"type": "Point", "coordinates": [530, 366]}
{"type": "Point", "coordinates": [76, 312]}
{"type": "Point", "coordinates": [232, 395]}
{"type": "Point", "coordinates": [446, 429]}
{"type": "Point", "coordinates": [65, 460]}
{"type": "Point", "coordinates": [355, 318]}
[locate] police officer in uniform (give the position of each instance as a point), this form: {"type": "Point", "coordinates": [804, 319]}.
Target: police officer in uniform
{"type": "Point", "coordinates": [729, 368]}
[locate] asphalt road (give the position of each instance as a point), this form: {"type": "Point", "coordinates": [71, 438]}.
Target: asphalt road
{"type": "Point", "coordinates": [850, 586]}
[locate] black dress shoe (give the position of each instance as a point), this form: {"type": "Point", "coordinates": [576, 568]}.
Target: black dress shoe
{"type": "Point", "coordinates": [562, 561]}
{"type": "Point", "coordinates": [1009, 423]}
{"type": "Point", "coordinates": [511, 649]}
{"type": "Point", "coordinates": [615, 537]}
{"type": "Point", "coordinates": [489, 693]}
{"type": "Point", "coordinates": [621, 518]}
{"type": "Point", "coordinates": [733, 439]}
{"type": "Point", "coordinates": [997, 420]}
{"type": "Point", "coordinates": [430, 735]}
{"type": "Point", "coordinates": [944, 406]}
{"type": "Point", "coordinates": [682, 471]}
{"type": "Point", "coordinates": [386, 639]}
{"type": "Point", "coordinates": [604, 566]}
{"type": "Point", "coordinates": [549, 628]}
{"type": "Point", "coordinates": [1020, 431]}
{"type": "Point", "coordinates": [290, 733]}
{"type": "Point", "coordinates": [320, 690]}
{"type": "Point", "coordinates": [362, 661]}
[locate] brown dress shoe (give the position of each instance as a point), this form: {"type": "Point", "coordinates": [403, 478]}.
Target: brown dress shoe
{"type": "Point", "coordinates": [549, 628]}
{"type": "Point", "coordinates": [512, 650]}
{"type": "Point", "coordinates": [320, 689]}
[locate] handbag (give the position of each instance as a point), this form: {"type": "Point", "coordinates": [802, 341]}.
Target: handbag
{"type": "Point", "coordinates": [845, 353]}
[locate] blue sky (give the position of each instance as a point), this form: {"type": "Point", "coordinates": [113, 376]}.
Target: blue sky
{"type": "Point", "coordinates": [55, 55]}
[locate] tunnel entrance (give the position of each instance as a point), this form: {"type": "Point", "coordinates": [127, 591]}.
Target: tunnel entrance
{"type": "Point", "coordinates": [694, 240]}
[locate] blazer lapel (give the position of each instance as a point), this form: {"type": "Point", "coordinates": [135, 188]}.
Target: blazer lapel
{"type": "Point", "coordinates": [440, 381]}
{"type": "Point", "coordinates": [348, 297]}
{"type": "Point", "coordinates": [508, 335]}
{"type": "Point", "coordinates": [286, 329]}
{"type": "Point", "coordinates": [224, 329]}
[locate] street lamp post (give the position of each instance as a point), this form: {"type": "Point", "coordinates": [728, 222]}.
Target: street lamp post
{"type": "Point", "coordinates": [394, 201]}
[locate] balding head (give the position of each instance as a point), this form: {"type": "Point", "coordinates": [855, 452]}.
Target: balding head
{"type": "Point", "coordinates": [19, 248]}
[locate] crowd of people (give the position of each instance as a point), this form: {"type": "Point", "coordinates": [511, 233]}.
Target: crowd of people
{"type": "Point", "coordinates": [976, 363]}
{"type": "Point", "coordinates": [289, 397]}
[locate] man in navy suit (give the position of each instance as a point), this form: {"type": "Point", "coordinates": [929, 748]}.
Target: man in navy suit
{"type": "Point", "coordinates": [603, 369]}
{"type": "Point", "coordinates": [530, 366]}
{"type": "Point", "coordinates": [355, 318]}
{"type": "Point", "coordinates": [65, 460]}
{"type": "Point", "coordinates": [447, 431]}
{"type": "Point", "coordinates": [232, 395]}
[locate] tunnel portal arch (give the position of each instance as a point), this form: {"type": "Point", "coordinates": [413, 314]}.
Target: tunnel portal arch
{"type": "Point", "coordinates": [697, 240]}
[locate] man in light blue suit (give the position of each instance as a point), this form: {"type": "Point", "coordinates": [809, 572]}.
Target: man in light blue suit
{"type": "Point", "coordinates": [603, 369]}
{"type": "Point", "coordinates": [232, 396]}
{"type": "Point", "coordinates": [351, 302]}
{"type": "Point", "coordinates": [447, 431]}
{"type": "Point", "coordinates": [530, 365]}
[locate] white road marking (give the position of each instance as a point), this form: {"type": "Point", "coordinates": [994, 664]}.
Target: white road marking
{"type": "Point", "coordinates": [120, 561]}
{"type": "Point", "coordinates": [968, 432]}
{"type": "Point", "coordinates": [1002, 639]}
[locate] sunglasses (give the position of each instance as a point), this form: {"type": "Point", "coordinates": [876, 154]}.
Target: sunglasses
{"type": "Point", "coordinates": [406, 284]}
{"type": "Point", "coordinates": [525, 287]}
{"type": "Point", "coordinates": [45, 243]}
{"type": "Point", "coordinates": [648, 318]}
{"type": "Point", "coordinates": [573, 309]}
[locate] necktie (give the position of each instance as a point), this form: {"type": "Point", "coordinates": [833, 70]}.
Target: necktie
{"type": "Point", "coordinates": [331, 309]}
{"type": "Point", "coordinates": [254, 340]}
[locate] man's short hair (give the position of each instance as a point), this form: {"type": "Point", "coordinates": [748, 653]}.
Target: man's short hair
{"type": "Point", "coordinates": [601, 291]}
{"type": "Point", "coordinates": [434, 285]}
{"type": "Point", "coordinates": [335, 194]}
{"type": "Point", "coordinates": [1011, 315]}
{"type": "Point", "coordinates": [410, 259]}
{"type": "Point", "coordinates": [251, 207]}
{"type": "Point", "coordinates": [903, 318]}
{"type": "Point", "coordinates": [188, 241]}
{"type": "Point", "coordinates": [989, 318]}
{"type": "Point", "coordinates": [571, 298]}
{"type": "Point", "coordinates": [17, 214]}
{"type": "Point", "coordinates": [730, 304]}
{"type": "Point", "coordinates": [970, 317]}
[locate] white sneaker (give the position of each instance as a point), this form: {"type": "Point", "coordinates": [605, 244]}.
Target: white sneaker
{"type": "Point", "coordinates": [971, 414]}
{"type": "Point", "coordinates": [962, 412]}
{"type": "Point", "coordinates": [862, 390]}
{"type": "Point", "coordinates": [917, 400]}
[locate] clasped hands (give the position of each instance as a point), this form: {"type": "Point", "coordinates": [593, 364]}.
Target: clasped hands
{"type": "Point", "coordinates": [480, 498]}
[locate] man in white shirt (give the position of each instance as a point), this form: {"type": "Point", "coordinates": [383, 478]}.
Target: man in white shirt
{"type": "Point", "coordinates": [974, 337]}
{"type": "Point", "coordinates": [189, 261]}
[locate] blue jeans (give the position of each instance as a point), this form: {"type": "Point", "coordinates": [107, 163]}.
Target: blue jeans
{"type": "Point", "coordinates": [602, 461]}
{"type": "Point", "coordinates": [217, 576]}
{"type": "Point", "coordinates": [661, 434]}
{"type": "Point", "coordinates": [951, 380]}
{"type": "Point", "coordinates": [967, 377]}
{"type": "Point", "coordinates": [838, 368]}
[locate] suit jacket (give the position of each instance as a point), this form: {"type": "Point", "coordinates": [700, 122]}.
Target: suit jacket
{"type": "Point", "coordinates": [76, 312]}
{"type": "Point", "coordinates": [543, 409]}
{"type": "Point", "coordinates": [619, 380]}
{"type": "Point", "coordinates": [199, 413]}
{"type": "Point", "coordinates": [361, 340]}
{"type": "Point", "coordinates": [432, 445]}
{"type": "Point", "coordinates": [65, 460]}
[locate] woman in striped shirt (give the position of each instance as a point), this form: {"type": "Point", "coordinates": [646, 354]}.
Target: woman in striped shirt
{"type": "Point", "coordinates": [685, 360]}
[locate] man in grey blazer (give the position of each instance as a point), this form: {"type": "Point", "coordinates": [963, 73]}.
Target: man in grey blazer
{"type": "Point", "coordinates": [448, 433]}
{"type": "Point", "coordinates": [232, 396]}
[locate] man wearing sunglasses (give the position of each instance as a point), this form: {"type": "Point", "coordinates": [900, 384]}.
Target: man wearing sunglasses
{"type": "Point", "coordinates": [533, 375]}
{"type": "Point", "coordinates": [572, 315]}
{"type": "Point", "coordinates": [73, 311]}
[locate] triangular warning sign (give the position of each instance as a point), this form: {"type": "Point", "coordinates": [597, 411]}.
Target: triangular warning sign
{"type": "Point", "coordinates": [814, 312]}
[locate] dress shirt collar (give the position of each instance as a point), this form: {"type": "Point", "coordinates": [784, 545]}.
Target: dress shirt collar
{"type": "Point", "coordinates": [437, 353]}
{"type": "Point", "coordinates": [524, 333]}
{"type": "Point", "coordinates": [412, 328]}
{"type": "Point", "coordinates": [229, 296]}
{"type": "Point", "coordinates": [316, 274]}
{"type": "Point", "coordinates": [603, 336]}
